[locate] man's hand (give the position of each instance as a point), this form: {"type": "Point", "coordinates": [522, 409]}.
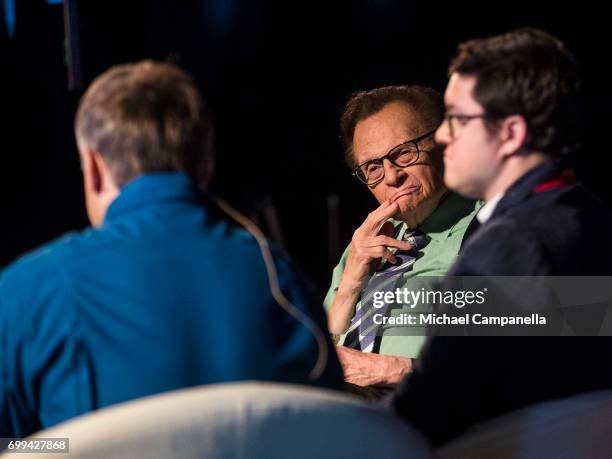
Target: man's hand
{"type": "Point", "coordinates": [370, 244]}
{"type": "Point", "coordinates": [367, 369]}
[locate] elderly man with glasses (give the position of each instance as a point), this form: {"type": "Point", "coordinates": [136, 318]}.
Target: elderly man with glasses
{"type": "Point", "coordinates": [417, 230]}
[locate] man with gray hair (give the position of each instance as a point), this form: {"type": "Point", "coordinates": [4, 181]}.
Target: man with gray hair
{"type": "Point", "coordinates": [415, 232]}
{"type": "Point", "coordinates": [164, 292]}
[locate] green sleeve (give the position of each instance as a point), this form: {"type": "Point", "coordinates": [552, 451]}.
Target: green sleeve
{"type": "Point", "coordinates": [336, 277]}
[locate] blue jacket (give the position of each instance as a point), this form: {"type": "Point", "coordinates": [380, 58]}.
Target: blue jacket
{"type": "Point", "coordinates": [167, 293]}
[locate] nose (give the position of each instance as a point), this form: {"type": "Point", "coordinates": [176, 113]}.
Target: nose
{"type": "Point", "coordinates": [393, 175]}
{"type": "Point", "coordinates": [442, 135]}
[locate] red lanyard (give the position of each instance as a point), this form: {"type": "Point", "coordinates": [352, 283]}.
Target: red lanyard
{"type": "Point", "coordinates": [567, 177]}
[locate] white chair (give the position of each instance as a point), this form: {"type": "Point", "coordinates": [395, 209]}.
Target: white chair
{"type": "Point", "coordinates": [239, 420]}
{"type": "Point", "coordinates": [578, 427]}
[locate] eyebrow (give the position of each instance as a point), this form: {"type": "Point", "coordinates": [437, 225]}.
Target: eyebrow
{"type": "Point", "coordinates": [369, 160]}
{"type": "Point", "coordinates": [385, 154]}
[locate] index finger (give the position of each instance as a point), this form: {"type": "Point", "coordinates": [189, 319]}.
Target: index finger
{"type": "Point", "coordinates": [379, 216]}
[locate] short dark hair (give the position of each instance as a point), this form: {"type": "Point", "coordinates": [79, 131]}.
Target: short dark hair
{"type": "Point", "coordinates": [530, 73]}
{"type": "Point", "coordinates": [146, 117]}
{"type": "Point", "coordinates": [425, 102]}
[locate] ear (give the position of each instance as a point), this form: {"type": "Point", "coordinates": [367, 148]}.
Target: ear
{"type": "Point", "coordinates": [93, 168]}
{"type": "Point", "coordinates": [512, 135]}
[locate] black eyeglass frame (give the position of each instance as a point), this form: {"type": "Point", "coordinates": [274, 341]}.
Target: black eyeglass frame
{"type": "Point", "coordinates": [396, 148]}
{"type": "Point", "coordinates": [463, 120]}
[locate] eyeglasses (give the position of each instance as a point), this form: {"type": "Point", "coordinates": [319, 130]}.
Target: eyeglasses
{"type": "Point", "coordinates": [403, 155]}
{"type": "Point", "coordinates": [456, 122]}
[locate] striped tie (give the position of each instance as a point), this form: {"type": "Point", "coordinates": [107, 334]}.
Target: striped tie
{"type": "Point", "coordinates": [363, 330]}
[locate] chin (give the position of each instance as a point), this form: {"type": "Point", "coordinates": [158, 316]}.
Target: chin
{"type": "Point", "coordinates": [454, 183]}
{"type": "Point", "coordinates": [448, 177]}
{"type": "Point", "coordinates": [408, 204]}
{"type": "Point", "coordinates": [463, 189]}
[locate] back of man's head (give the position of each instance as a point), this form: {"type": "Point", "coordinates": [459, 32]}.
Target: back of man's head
{"type": "Point", "coordinates": [530, 73]}
{"type": "Point", "coordinates": [146, 117]}
{"type": "Point", "coordinates": [425, 103]}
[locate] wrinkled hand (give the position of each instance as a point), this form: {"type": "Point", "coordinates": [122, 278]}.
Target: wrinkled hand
{"type": "Point", "coordinates": [370, 244]}
{"type": "Point", "coordinates": [367, 369]}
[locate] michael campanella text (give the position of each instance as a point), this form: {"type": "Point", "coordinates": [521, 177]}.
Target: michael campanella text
{"type": "Point", "coordinates": [467, 319]}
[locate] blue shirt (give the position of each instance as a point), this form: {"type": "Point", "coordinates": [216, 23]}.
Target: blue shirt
{"type": "Point", "coordinates": [167, 293]}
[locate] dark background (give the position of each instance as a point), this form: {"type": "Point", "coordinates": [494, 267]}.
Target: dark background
{"type": "Point", "coordinates": [276, 76]}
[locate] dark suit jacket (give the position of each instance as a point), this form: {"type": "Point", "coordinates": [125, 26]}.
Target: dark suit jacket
{"type": "Point", "coordinates": [460, 381]}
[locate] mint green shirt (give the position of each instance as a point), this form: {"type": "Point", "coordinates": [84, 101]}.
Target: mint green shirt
{"type": "Point", "coordinates": [445, 228]}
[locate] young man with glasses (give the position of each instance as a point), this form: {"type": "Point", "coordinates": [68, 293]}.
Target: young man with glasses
{"type": "Point", "coordinates": [512, 120]}
{"type": "Point", "coordinates": [416, 230]}
{"type": "Point", "coordinates": [513, 116]}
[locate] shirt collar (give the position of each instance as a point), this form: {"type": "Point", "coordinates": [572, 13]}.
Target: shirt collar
{"type": "Point", "coordinates": [152, 189]}
{"type": "Point", "coordinates": [485, 212]}
{"type": "Point", "coordinates": [522, 188]}
{"type": "Point", "coordinates": [443, 218]}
